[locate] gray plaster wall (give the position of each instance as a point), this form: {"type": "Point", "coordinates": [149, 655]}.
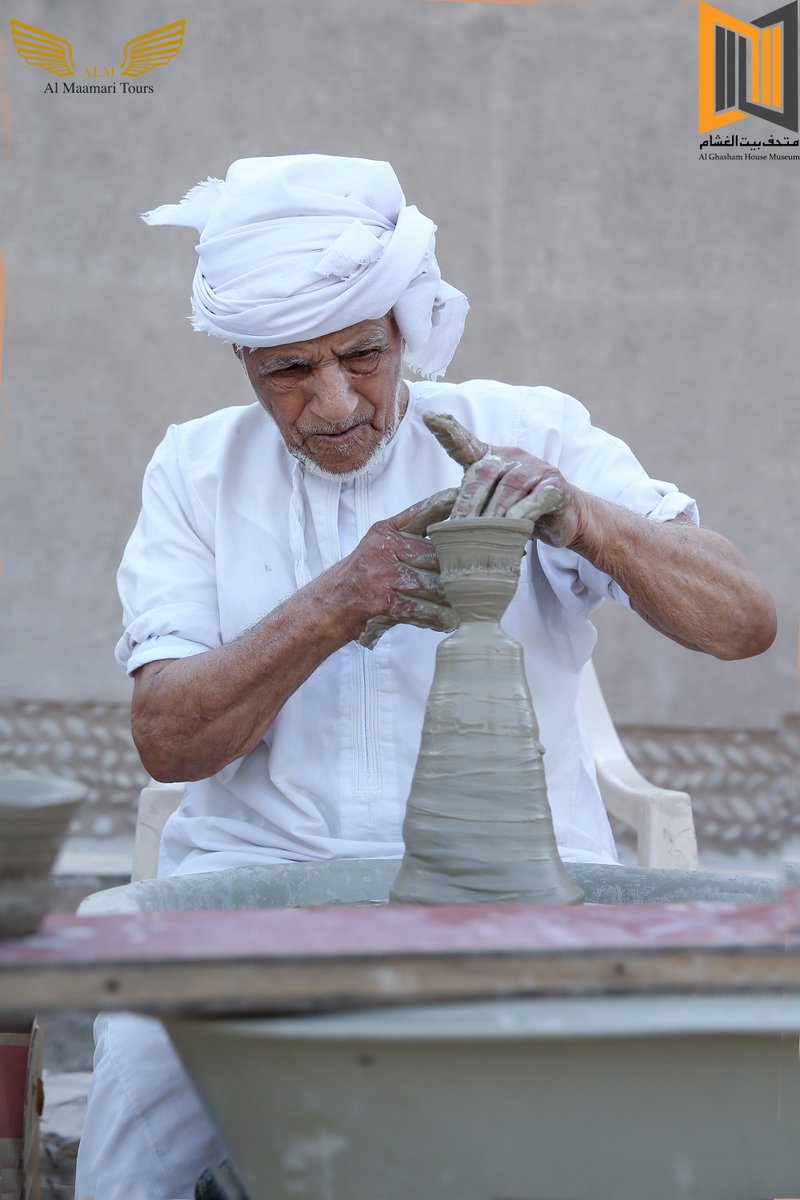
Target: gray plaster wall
{"type": "Point", "coordinates": [554, 144]}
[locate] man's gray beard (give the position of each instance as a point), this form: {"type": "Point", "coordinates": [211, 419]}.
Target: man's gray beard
{"type": "Point", "coordinates": [376, 457]}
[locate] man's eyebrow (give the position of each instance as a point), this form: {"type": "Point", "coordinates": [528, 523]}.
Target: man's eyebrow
{"type": "Point", "coordinates": [370, 341]}
{"type": "Point", "coordinates": [282, 360]}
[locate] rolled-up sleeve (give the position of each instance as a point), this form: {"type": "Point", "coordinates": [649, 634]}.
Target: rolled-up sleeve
{"type": "Point", "coordinates": [167, 578]}
{"type": "Point", "coordinates": [605, 466]}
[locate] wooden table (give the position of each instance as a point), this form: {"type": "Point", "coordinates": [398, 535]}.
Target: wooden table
{"type": "Point", "coordinates": [297, 961]}
{"type": "Point", "coordinates": [324, 959]}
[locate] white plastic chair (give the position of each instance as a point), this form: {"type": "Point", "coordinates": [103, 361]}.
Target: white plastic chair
{"type": "Point", "coordinates": [157, 802]}
{"type": "Point", "coordinates": [661, 818]}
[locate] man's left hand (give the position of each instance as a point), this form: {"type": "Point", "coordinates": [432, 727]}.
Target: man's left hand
{"type": "Point", "coordinates": [691, 584]}
{"type": "Point", "coordinates": [504, 481]}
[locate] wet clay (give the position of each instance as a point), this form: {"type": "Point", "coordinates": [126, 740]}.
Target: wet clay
{"type": "Point", "coordinates": [478, 825]}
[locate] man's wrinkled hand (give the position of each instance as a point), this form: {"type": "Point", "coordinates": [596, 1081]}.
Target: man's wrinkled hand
{"type": "Point", "coordinates": [502, 481]}
{"type": "Point", "coordinates": [396, 571]}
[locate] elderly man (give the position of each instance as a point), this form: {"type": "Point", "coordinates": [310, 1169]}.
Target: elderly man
{"type": "Point", "coordinates": [277, 540]}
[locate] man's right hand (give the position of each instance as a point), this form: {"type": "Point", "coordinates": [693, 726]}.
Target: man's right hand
{"type": "Point", "coordinates": [392, 576]}
{"type": "Point", "coordinates": [192, 716]}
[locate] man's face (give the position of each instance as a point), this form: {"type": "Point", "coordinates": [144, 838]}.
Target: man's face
{"type": "Point", "coordinates": [336, 399]}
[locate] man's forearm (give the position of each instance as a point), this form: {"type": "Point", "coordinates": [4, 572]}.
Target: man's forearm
{"type": "Point", "coordinates": [192, 716]}
{"type": "Point", "coordinates": [691, 584]}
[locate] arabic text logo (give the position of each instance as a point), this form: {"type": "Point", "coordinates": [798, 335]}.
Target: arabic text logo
{"type": "Point", "coordinates": [54, 54]}
{"type": "Point", "coordinates": [747, 68]}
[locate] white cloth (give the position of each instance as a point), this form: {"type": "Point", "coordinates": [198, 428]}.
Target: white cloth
{"type": "Point", "coordinates": [147, 1135]}
{"type": "Point", "coordinates": [232, 525]}
{"type": "Point", "coordinates": [298, 246]}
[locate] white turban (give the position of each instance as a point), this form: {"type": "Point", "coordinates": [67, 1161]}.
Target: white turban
{"type": "Point", "coordinates": [303, 245]}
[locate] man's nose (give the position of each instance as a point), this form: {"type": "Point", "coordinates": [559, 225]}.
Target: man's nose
{"type": "Point", "coordinates": [333, 396]}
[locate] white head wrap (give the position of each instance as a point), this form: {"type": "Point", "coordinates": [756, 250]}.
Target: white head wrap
{"type": "Point", "coordinates": [303, 245]}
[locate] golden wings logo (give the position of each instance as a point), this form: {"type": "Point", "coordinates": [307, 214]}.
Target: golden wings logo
{"type": "Point", "coordinates": [54, 54]}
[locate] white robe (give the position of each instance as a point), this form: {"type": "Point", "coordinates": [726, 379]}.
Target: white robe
{"type": "Point", "coordinates": [231, 525]}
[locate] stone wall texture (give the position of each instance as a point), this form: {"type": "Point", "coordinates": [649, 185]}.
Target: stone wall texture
{"type": "Point", "coordinates": [743, 783]}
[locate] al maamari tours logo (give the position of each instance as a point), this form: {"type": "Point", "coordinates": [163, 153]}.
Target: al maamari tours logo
{"type": "Point", "coordinates": [139, 56]}
{"type": "Point", "coordinates": [747, 69]}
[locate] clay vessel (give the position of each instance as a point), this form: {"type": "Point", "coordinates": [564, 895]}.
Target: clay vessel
{"type": "Point", "coordinates": [478, 825]}
{"type": "Point", "coordinates": [35, 811]}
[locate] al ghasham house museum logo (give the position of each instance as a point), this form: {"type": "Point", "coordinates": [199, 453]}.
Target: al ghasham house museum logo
{"type": "Point", "coordinates": [748, 69]}
{"type": "Point", "coordinates": [139, 56]}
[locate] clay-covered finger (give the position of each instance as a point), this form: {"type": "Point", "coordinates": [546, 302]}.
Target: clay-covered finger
{"type": "Point", "coordinates": [374, 630]}
{"type": "Point", "coordinates": [410, 610]}
{"type": "Point", "coordinates": [479, 483]}
{"type": "Point", "coordinates": [452, 436]}
{"type": "Point", "coordinates": [409, 520]}
{"type": "Point", "coordinates": [414, 581]}
{"type": "Point", "coordinates": [544, 500]}
{"type": "Point", "coordinates": [436, 508]}
{"type": "Point", "coordinates": [416, 552]}
{"type": "Point", "coordinates": [426, 614]}
{"type": "Point", "coordinates": [513, 486]}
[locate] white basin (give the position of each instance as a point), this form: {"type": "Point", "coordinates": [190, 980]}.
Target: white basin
{"type": "Point", "coordinates": [628, 1098]}
{"type": "Point", "coordinates": [632, 1098]}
